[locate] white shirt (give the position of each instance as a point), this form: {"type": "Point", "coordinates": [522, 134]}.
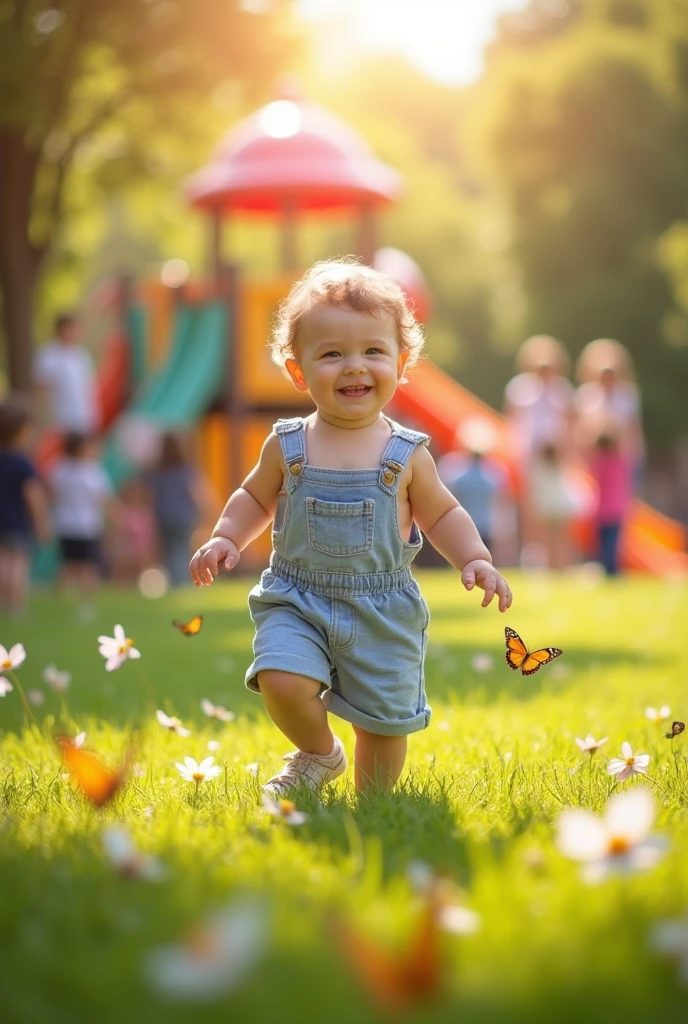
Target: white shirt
{"type": "Point", "coordinates": [80, 488]}
{"type": "Point", "coordinates": [539, 410]}
{"type": "Point", "coordinates": [68, 371]}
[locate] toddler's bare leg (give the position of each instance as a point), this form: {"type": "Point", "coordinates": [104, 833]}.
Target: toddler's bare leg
{"type": "Point", "coordinates": [378, 760]}
{"type": "Point", "coordinates": [293, 703]}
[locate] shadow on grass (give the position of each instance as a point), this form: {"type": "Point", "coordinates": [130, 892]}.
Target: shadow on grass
{"type": "Point", "coordinates": [386, 832]}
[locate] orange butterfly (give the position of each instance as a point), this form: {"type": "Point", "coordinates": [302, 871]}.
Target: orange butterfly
{"type": "Point", "coordinates": [95, 781]}
{"type": "Point", "coordinates": [397, 981]}
{"type": "Point", "coordinates": [190, 628]}
{"type": "Point", "coordinates": [518, 655]}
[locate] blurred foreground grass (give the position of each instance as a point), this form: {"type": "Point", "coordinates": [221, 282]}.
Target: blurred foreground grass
{"type": "Point", "coordinates": [484, 786]}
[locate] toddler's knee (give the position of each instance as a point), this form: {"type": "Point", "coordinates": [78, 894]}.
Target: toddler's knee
{"type": "Point", "coordinates": [287, 685]}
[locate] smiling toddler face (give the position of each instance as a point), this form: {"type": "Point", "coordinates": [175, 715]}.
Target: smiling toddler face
{"type": "Point", "coordinates": [349, 360]}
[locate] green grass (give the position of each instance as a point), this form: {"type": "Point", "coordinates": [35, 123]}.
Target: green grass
{"type": "Point", "coordinates": [479, 800]}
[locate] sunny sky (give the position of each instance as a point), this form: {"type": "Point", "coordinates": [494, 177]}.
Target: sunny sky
{"type": "Point", "coordinates": [443, 38]}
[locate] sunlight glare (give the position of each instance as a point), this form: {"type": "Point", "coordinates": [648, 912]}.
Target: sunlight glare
{"type": "Point", "coordinates": [445, 39]}
{"type": "Point", "coordinates": [281, 119]}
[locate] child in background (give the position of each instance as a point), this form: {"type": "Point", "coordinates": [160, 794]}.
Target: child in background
{"type": "Point", "coordinates": [340, 621]}
{"type": "Point", "coordinates": [132, 548]}
{"type": "Point", "coordinates": [23, 507]}
{"type": "Point", "coordinates": [181, 499]}
{"type": "Point", "coordinates": [475, 480]}
{"type": "Point", "coordinates": [552, 503]}
{"type": "Point", "coordinates": [612, 471]}
{"type": "Point", "coordinates": [81, 494]}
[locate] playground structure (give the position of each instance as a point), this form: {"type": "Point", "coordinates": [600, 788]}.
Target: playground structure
{"type": "Point", "coordinates": [195, 357]}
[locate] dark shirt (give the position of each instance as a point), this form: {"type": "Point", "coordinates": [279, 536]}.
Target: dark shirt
{"type": "Point", "coordinates": [15, 470]}
{"type": "Point", "coordinates": [173, 499]}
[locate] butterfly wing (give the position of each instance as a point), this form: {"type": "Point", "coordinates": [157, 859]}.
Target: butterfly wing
{"type": "Point", "coordinates": [98, 783]}
{"type": "Point", "coordinates": [516, 650]}
{"type": "Point", "coordinates": [378, 970]}
{"type": "Point", "coordinates": [397, 981]}
{"type": "Point", "coordinates": [536, 659]}
{"type": "Point", "coordinates": [190, 628]}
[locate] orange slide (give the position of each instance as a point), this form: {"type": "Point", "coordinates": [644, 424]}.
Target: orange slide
{"type": "Point", "coordinates": [434, 402]}
{"type": "Point", "coordinates": [112, 395]}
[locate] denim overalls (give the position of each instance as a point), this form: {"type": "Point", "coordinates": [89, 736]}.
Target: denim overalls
{"type": "Point", "coordinates": [339, 603]}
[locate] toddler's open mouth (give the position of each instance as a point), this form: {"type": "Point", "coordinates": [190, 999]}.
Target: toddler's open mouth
{"type": "Point", "coordinates": [355, 390]}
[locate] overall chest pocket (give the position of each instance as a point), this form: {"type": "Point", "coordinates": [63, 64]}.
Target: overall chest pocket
{"type": "Point", "coordinates": [340, 527]}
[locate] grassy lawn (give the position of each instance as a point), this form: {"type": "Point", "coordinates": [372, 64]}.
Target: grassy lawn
{"type": "Point", "coordinates": [479, 802]}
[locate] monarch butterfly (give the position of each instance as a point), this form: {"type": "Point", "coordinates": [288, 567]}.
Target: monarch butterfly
{"type": "Point", "coordinates": [676, 730]}
{"type": "Point", "coordinates": [518, 655]}
{"type": "Point", "coordinates": [96, 782]}
{"type": "Point", "coordinates": [189, 628]}
{"type": "Point", "coordinates": [397, 981]}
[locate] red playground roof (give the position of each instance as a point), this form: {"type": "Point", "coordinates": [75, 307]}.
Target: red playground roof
{"type": "Point", "coordinates": [293, 154]}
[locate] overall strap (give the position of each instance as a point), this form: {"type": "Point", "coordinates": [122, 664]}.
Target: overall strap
{"type": "Point", "coordinates": [399, 450]}
{"type": "Point", "coordinates": [293, 444]}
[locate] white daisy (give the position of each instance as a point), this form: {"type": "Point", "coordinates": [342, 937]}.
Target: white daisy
{"type": "Point", "coordinates": [172, 723]}
{"type": "Point", "coordinates": [5, 687]}
{"type": "Point", "coordinates": [57, 679]}
{"type": "Point", "coordinates": [658, 714]}
{"type": "Point", "coordinates": [214, 745]}
{"type": "Point", "coordinates": [618, 841]}
{"type": "Point", "coordinates": [285, 809]}
{"type": "Point", "coordinates": [217, 711]}
{"type": "Point", "coordinates": [194, 772]}
{"type": "Point", "coordinates": [12, 658]}
{"type": "Point", "coordinates": [117, 649]}
{"type": "Point", "coordinates": [452, 916]}
{"type": "Point", "coordinates": [35, 697]}
{"type": "Point", "coordinates": [482, 662]}
{"type": "Point", "coordinates": [670, 939]}
{"type": "Point", "coordinates": [214, 957]}
{"type": "Point", "coordinates": [129, 861]}
{"type": "Point", "coordinates": [589, 745]}
{"type": "Point", "coordinates": [628, 764]}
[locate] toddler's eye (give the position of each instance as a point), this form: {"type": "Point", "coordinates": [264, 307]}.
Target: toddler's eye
{"type": "Point", "coordinates": [326, 355]}
{"type": "Point", "coordinates": [376, 350]}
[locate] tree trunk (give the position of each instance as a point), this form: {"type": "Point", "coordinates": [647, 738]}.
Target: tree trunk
{"type": "Point", "coordinates": [19, 259]}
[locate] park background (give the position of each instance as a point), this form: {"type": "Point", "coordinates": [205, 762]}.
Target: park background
{"type": "Point", "coordinates": [545, 191]}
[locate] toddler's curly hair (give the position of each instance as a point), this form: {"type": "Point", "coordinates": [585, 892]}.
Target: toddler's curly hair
{"type": "Point", "coordinates": [349, 283]}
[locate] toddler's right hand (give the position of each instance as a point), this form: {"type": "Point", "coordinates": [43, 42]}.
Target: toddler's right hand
{"type": "Point", "coordinates": [215, 553]}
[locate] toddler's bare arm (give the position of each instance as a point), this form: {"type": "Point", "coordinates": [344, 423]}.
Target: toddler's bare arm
{"type": "Point", "coordinates": [247, 513]}
{"type": "Point", "coordinates": [451, 531]}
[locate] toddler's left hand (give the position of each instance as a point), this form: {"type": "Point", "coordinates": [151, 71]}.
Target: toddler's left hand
{"type": "Point", "coordinates": [484, 575]}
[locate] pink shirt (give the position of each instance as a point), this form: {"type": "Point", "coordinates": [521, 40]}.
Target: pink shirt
{"type": "Point", "coordinates": [612, 472]}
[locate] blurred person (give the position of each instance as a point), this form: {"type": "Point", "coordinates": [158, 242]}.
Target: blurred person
{"type": "Point", "coordinates": [539, 410]}
{"type": "Point", "coordinates": [133, 546]}
{"type": "Point", "coordinates": [609, 397]}
{"type": "Point", "coordinates": [65, 383]}
{"type": "Point", "coordinates": [24, 512]}
{"type": "Point", "coordinates": [182, 498]}
{"type": "Point", "coordinates": [612, 470]}
{"type": "Point", "coordinates": [475, 480]}
{"type": "Point", "coordinates": [81, 495]}
{"type": "Point", "coordinates": [553, 504]}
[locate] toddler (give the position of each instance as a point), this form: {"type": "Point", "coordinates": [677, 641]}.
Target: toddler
{"type": "Point", "coordinates": [23, 507]}
{"type": "Point", "coordinates": [340, 621]}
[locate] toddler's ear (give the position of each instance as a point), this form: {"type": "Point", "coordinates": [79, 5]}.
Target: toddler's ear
{"type": "Point", "coordinates": [297, 378]}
